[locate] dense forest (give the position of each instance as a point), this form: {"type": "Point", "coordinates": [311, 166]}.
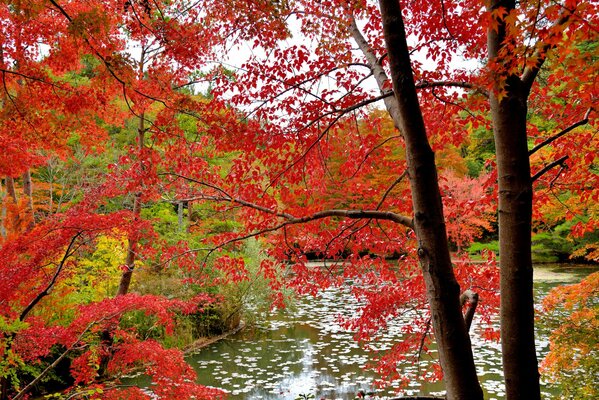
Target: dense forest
{"type": "Point", "coordinates": [170, 167]}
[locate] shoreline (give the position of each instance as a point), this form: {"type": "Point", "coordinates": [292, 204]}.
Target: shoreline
{"type": "Point", "coordinates": [203, 342]}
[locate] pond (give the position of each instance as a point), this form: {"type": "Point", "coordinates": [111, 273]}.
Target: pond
{"type": "Point", "coordinates": [306, 351]}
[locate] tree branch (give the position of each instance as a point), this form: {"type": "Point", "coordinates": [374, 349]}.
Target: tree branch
{"type": "Point", "coordinates": [472, 299]}
{"type": "Point", "coordinates": [463, 85]}
{"type": "Point", "coordinates": [548, 167]}
{"type": "Point", "coordinates": [68, 253]}
{"type": "Point", "coordinates": [290, 219]}
{"type": "Point", "coordinates": [553, 138]}
{"type": "Point", "coordinates": [382, 79]}
{"type": "Point", "coordinates": [390, 188]}
{"type": "Point", "coordinates": [50, 367]}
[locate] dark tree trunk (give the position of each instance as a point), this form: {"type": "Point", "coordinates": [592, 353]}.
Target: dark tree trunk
{"type": "Point", "coordinates": [520, 366]}
{"type": "Point", "coordinates": [508, 114]}
{"type": "Point", "coordinates": [443, 291]}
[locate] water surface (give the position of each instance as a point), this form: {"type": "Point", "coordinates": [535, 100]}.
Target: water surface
{"type": "Point", "coordinates": [306, 351]}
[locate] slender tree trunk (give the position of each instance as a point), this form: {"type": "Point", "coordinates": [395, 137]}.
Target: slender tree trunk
{"type": "Point", "coordinates": [180, 216]}
{"type": "Point", "coordinates": [11, 195]}
{"type": "Point", "coordinates": [10, 189]}
{"type": "Point", "coordinates": [4, 386]}
{"type": "Point", "coordinates": [520, 366]}
{"type": "Point", "coordinates": [2, 212]}
{"type": "Point", "coordinates": [132, 247]}
{"type": "Point", "coordinates": [443, 291]}
{"type": "Point", "coordinates": [189, 215]}
{"type": "Point", "coordinates": [28, 193]}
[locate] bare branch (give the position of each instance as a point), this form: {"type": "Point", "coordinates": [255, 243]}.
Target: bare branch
{"type": "Point", "coordinates": [357, 214]}
{"type": "Point", "coordinates": [560, 161]}
{"type": "Point", "coordinates": [68, 253]}
{"type": "Point", "coordinates": [381, 77]}
{"type": "Point", "coordinates": [352, 214]}
{"type": "Point", "coordinates": [427, 330]}
{"type": "Point", "coordinates": [458, 84]}
{"type": "Point", "coordinates": [31, 78]}
{"type": "Point", "coordinates": [558, 135]}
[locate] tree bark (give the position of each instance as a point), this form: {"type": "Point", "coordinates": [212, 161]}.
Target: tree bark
{"type": "Point", "coordinates": [11, 195]}
{"type": "Point", "coordinates": [520, 366]}
{"type": "Point", "coordinates": [10, 189]}
{"type": "Point", "coordinates": [3, 212]}
{"type": "Point", "coordinates": [28, 193]}
{"type": "Point", "coordinates": [132, 247]}
{"type": "Point", "coordinates": [443, 291]}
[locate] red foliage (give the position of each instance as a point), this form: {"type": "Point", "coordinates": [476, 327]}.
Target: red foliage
{"type": "Point", "coordinates": [306, 156]}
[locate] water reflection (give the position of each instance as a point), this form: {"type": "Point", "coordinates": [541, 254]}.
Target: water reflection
{"type": "Point", "coordinates": [306, 351]}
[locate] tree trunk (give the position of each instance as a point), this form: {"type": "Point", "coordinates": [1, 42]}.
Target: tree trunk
{"type": "Point", "coordinates": [132, 247]}
{"type": "Point", "coordinates": [28, 193]}
{"type": "Point", "coordinates": [508, 114]}
{"type": "Point", "coordinates": [443, 291]}
{"type": "Point", "coordinates": [520, 365]}
{"type": "Point", "coordinates": [3, 212]}
{"type": "Point", "coordinates": [10, 189]}
{"type": "Point", "coordinates": [11, 196]}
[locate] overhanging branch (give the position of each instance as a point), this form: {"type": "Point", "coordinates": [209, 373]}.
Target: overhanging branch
{"type": "Point", "coordinates": [67, 254]}
{"type": "Point", "coordinates": [290, 219]}
{"type": "Point", "coordinates": [558, 135]}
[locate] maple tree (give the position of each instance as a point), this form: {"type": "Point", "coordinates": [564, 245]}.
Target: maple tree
{"type": "Point", "coordinates": [310, 165]}
{"type": "Point", "coordinates": [517, 38]}
{"type": "Point", "coordinates": [67, 79]}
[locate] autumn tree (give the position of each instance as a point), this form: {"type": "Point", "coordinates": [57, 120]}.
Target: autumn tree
{"type": "Point", "coordinates": [315, 166]}
{"type": "Point", "coordinates": [67, 79]}
{"type": "Point", "coordinates": [571, 313]}
{"type": "Point", "coordinates": [286, 176]}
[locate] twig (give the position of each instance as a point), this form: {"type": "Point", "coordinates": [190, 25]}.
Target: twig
{"type": "Point", "coordinates": [68, 253]}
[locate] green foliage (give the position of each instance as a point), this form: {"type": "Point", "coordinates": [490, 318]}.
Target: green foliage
{"type": "Point", "coordinates": [479, 151]}
{"type": "Point", "coordinates": [551, 246]}
{"type": "Point", "coordinates": [477, 248]}
{"type": "Point", "coordinates": [10, 363]}
{"type": "Point", "coordinates": [243, 300]}
{"type": "Point", "coordinates": [166, 221]}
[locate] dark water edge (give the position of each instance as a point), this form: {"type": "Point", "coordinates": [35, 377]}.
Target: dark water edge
{"type": "Point", "coordinates": [306, 351]}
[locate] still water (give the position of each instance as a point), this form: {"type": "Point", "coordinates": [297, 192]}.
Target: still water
{"type": "Point", "coordinates": [305, 351]}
